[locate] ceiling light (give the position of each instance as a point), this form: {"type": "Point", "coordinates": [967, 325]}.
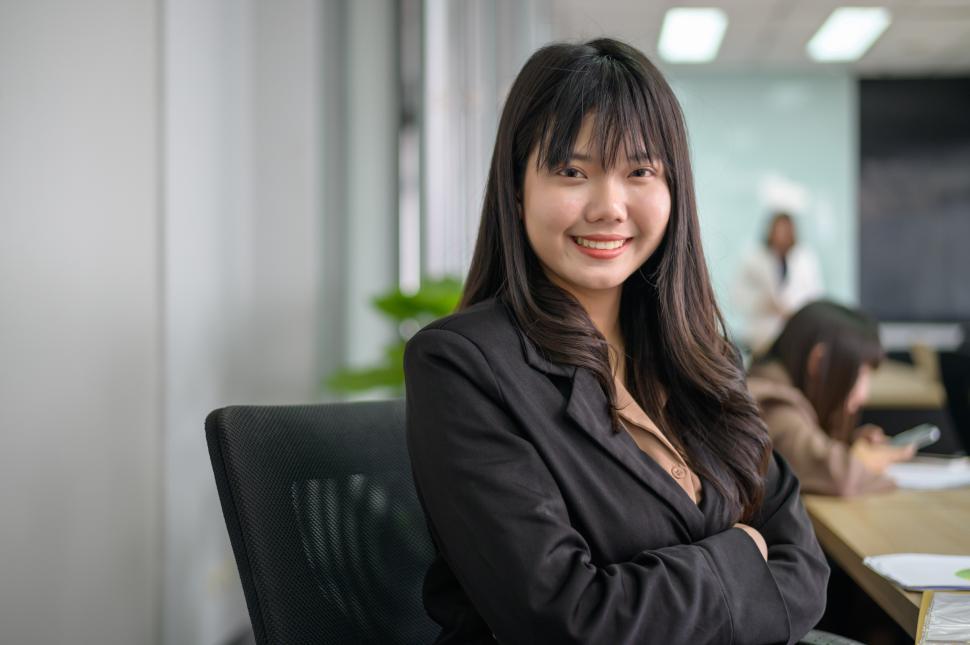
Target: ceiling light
{"type": "Point", "coordinates": [848, 33]}
{"type": "Point", "coordinates": [691, 35]}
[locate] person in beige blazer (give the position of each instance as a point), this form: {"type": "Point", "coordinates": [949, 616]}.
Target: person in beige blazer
{"type": "Point", "coordinates": [810, 387]}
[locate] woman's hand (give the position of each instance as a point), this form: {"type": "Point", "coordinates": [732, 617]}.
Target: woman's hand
{"type": "Point", "coordinates": [878, 456]}
{"type": "Point", "coordinates": [757, 537]}
{"type": "Point", "coordinates": [871, 433]}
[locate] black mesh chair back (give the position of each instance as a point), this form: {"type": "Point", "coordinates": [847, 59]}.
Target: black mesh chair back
{"type": "Point", "coordinates": [327, 531]}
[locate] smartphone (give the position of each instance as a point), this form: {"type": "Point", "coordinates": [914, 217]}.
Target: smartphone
{"type": "Point", "coordinates": [921, 436]}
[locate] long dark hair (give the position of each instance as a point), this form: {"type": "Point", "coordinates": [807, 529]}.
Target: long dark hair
{"type": "Point", "coordinates": [850, 340]}
{"type": "Point", "coordinates": [680, 367]}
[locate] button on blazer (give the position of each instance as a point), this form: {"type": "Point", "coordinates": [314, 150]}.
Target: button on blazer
{"type": "Point", "coordinates": [551, 528]}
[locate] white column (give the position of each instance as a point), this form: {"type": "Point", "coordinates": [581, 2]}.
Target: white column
{"type": "Point", "coordinates": [371, 155]}
{"type": "Point", "coordinates": [80, 302]}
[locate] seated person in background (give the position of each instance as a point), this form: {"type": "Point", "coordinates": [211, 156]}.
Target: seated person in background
{"type": "Point", "coordinates": [776, 278]}
{"type": "Point", "coordinates": [810, 387]}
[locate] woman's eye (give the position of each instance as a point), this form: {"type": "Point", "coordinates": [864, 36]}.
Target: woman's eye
{"type": "Point", "coordinates": [644, 172]}
{"type": "Point", "coordinates": [571, 173]}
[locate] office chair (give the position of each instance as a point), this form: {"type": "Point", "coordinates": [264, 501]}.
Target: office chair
{"type": "Point", "coordinates": [327, 532]}
{"type": "Point", "coordinates": [955, 374]}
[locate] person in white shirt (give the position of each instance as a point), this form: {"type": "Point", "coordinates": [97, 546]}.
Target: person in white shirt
{"type": "Point", "coordinates": [775, 280]}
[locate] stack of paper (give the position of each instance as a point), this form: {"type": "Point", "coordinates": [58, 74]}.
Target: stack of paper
{"type": "Point", "coordinates": [929, 473]}
{"type": "Point", "coordinates": [921, 571]}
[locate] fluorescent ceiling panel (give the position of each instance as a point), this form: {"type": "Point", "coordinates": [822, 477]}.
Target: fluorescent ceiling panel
{"type": "Point", "coordinates": [691, 34]}
{"type": "Point", "coordinates": [848, 34]}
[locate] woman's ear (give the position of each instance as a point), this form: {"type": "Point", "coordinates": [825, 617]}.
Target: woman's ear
{"type": "Point", "coordinates": [814, 363]}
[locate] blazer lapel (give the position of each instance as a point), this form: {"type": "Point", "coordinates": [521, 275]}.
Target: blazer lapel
{"type": "Point", "coordinates": [587, 407]}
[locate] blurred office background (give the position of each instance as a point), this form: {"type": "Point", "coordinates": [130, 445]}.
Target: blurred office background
{"type": "Point", "coordinates": [200, 198]}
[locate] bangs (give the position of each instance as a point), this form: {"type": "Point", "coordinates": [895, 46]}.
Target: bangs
{"type": "Point", "coordinates": [625, 118]}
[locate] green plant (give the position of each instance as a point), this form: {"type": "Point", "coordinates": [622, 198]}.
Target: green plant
{"type": "Point", "coordinates": [408, 312]}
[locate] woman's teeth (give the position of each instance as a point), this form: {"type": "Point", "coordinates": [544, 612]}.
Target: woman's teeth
{"type": "Point", "coordinates": [596, 244]}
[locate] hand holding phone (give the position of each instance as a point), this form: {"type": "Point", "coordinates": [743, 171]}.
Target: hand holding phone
{"type": "Point", "coordinates": [921, 436]}
{"type": "Point", "coordinates": [877, 457]}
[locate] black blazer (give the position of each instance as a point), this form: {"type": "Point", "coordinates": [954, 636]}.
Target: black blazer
{"type": "Point", "coordinates": [551, 528]}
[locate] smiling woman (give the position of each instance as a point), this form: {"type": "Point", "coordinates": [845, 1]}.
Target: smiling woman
{"type": "Point", "coordinates": [581, 437]}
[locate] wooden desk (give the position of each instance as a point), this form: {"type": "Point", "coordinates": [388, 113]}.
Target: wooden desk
{"type": "Point", "coordinates": [899, 522]}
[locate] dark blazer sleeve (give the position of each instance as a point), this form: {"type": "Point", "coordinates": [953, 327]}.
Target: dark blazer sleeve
{"type": "Point", "coordinates": [501, 524]}
{"type": "Point", "coordinates": [795, 558]}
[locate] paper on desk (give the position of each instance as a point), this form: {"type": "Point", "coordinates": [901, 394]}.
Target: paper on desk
{"type": "Point", "coordinates": [928, 473]}
{"type": "Point", "coordinates": [922, 571]}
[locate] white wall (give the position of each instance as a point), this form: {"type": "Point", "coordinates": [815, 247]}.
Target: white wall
{"type": "Point", "coordinates": [242, 264]}
{"type": "Point", "coordinates": [761, 141]}
{"type": "Point", "coordinates": [79, 322]}
{"type": "Point", "coordinates": [207, 226]}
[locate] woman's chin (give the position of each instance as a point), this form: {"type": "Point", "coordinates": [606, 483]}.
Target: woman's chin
{"type": "Point", "coordinates": [606, 283]}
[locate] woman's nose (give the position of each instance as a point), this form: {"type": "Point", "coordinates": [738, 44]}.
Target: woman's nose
{"type": "Point", "coordinates": [607, 202]}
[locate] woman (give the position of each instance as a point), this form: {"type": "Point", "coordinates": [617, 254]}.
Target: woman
{"type": "Point", "coordinates": [590, 463]}
{"type": "Point", "coordinates": [810, 387]}
{"type": "Point", "coordinates": [775, 280]}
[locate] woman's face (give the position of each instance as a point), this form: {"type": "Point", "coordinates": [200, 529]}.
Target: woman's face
{"type": "Point", "coordinates": [782, 237]}
{"type": "Point", "coordinates": [592, 228]}
{"type": "Point", "coordinates": [860, 391]}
